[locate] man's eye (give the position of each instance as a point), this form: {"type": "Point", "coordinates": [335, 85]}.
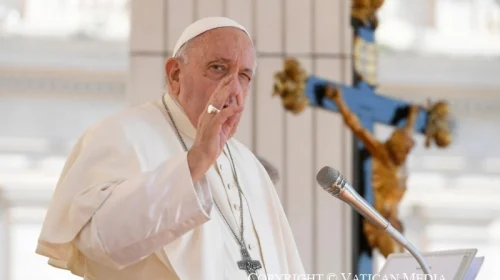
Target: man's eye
{"type": "Point", "coordinates": [218, 67]}
{"type": "Point", "coordinates": [246, 77]}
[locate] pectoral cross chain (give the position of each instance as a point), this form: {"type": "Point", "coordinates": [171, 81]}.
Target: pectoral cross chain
{"type": "Point", "coordinates": [249, 265]}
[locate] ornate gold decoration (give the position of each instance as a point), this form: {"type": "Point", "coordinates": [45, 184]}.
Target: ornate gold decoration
{"type": "Point", "coordinates": [365, 50]}
{"type": "Point", "coordinates": [389, 176]}
{"type": "Point", "coordinates": [290, 84]}
{"type": "Point", "coordinates": [366, 11]}
{"type": "Point", "coordinates": [365, 58]}
{"type": "Point", "coordinates": [437, 124]}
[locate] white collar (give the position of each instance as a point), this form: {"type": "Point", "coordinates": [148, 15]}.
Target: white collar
{"type": "Point", "coordinates": [180, 118]}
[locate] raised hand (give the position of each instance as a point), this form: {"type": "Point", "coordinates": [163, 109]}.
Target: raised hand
{"type": "Point", "coordinates": [214, 129]}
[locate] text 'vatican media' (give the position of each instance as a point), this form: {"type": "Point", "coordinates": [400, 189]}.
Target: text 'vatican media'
{"type": "Point", "coordinates": [346, 276]}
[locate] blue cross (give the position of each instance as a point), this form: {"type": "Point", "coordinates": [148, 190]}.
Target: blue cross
{"type": "Point", "coordinates": [370, 107]}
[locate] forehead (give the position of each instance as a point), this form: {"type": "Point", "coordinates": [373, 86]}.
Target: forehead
{"type": "Point", "coordinates": [227, 42]}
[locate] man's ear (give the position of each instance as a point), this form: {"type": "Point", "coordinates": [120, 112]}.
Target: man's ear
{"type": "Point", "coordinates": [172, 70]}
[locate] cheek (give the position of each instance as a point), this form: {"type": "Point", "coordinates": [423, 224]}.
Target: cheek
{"type": "Point", "coordinates": [187, 83]}
{"type": "Point", "coordinates": [203, 91]}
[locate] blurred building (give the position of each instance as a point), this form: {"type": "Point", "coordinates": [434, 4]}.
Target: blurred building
{"type": "Point", "coordinates": [66, 64]}
{"type": "Point", "coordinates": [63, 67]}
{"type": "Point", "coordinates": [449, 49]}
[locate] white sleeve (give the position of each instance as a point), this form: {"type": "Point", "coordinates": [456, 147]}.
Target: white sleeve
{"type": "Point", "coordinates": [126, 212]}
{"type": "Point", "coordinates": [142, 213]}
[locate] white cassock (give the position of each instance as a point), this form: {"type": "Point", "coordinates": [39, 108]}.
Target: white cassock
{"type": "Point", "coordinates": [126, 207]}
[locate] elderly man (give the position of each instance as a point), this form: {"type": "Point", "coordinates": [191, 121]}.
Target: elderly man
{"type": "Point", "coordinates": [163, 191]}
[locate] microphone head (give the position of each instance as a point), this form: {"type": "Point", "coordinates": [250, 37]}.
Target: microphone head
{"type": "Point", "coordinates": [328, 177]}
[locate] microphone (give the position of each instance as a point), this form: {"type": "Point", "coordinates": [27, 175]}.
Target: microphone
{"type": "Point", "coordinates": [334, 183]}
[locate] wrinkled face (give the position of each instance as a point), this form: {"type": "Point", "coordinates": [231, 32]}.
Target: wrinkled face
{"type": "Point", "coordinates": [209, 58]}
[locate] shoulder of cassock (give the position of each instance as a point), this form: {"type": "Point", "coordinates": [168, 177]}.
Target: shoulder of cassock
{"type": "Point", "coordinates": [120, 146]}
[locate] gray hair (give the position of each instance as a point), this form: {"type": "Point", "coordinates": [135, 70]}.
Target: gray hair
{"type": "Point", "coordinates": [181, 54]}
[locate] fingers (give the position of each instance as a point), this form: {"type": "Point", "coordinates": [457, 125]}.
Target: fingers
{"type": "Point", "coordinates": [219, 122]}
{"type": "Point", "coordinates": [220, 96]}
{"type": "Point", "coordinates": [212, 101]}
{"type": "Point", "coordinates": [239, 99]}
{"type": "Point", "coordinates": [222, 92]}
{"type": "Point", "coordinates": [233, 122]}
{"type": "Point", "coordinates": [226, 113]}
{"type": "Point", "coordinates": [234, 119]}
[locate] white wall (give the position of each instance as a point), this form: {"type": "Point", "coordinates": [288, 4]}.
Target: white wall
{"type": "Point", "coordinates": [318, 33]}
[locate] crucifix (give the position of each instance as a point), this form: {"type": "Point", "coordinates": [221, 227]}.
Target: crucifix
{"type": "Point", "coordinates": [249, 265]}
{"type": "Point", "coordinates": [378, 166]}
{"type": "Point", "coordinates": [361, 108]}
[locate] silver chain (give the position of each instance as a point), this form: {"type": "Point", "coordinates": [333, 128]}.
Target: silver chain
{"type": "Point", "coordinates": [242, 241]}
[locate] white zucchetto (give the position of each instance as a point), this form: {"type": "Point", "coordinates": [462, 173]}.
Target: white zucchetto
{"type": "Point", "coordinates": [203, 25]}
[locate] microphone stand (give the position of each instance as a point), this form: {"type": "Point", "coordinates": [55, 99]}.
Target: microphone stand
{"type": "Point", "coordinates": [407, 244]}
{"type": "Point", "coordinates": [335, 184]}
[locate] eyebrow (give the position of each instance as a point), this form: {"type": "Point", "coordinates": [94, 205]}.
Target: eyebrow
{"type": "Point", "coordinates": [227, 60]}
